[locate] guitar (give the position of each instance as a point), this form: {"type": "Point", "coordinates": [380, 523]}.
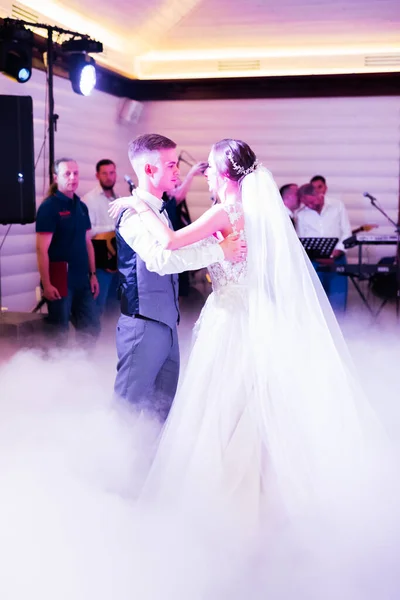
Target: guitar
{"type": "Point", "coordinates": [364, 228]}
{"type": "Point", "coordinates": [105, 250]}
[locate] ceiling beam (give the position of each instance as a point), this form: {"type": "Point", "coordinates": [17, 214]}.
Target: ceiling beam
{"type": "Point", "coordinates": [305, 86]}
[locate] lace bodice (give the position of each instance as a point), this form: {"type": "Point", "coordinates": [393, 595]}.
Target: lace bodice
{"type": "Point", "coordinates": [225, 273]}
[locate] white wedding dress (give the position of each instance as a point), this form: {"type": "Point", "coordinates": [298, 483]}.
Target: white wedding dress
{"type": "Point", "coordinates": [271, 479]}
{"type": "Point", "coordinates": [211, 449]}
{"type": "Point", "coordinates": [251, 418]}
{"type": "Point", "coordinates": [270, 435]}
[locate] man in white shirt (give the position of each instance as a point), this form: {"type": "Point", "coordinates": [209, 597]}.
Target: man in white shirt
{"type": "Point", "coordinates": [103, 229]}
{"type": "Point", "coordinates": [147, 341]}
{"type": "Point", "coordinates": [322, 216]}
{"type": "Point", "coordinates": [290, 200]}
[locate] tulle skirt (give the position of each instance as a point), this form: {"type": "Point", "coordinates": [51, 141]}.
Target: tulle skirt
{"type": "Point", "coordinates": [210, 451]}
{"type": "Point", "coordinates": [242, 494]}
{"type": "Point", "coordinates": [282, 452]}
{"type": "Point", "coordinates": [258, 408]}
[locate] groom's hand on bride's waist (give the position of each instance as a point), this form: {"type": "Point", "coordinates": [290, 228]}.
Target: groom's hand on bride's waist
{"type": "Point", "coordinates": [234, 248]}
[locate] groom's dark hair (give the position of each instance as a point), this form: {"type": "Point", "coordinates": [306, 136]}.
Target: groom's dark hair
{"type": "Point", "coordinates": [148, 143]}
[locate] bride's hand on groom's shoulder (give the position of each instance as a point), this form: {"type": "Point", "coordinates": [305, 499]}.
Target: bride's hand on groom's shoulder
{"type": "Point", "coordinates": [131, 202]}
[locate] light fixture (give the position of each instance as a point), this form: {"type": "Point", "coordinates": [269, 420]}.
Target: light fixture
{"type": "Point", "coordinates": [82, 73]}
{"type": "Point", "coordinates": [16, 45]}
{"type": "Point", "coordinates": [81, 66]}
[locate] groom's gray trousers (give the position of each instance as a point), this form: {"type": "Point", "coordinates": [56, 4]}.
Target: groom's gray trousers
{"type": "Point", "coordinates": [148, 363]}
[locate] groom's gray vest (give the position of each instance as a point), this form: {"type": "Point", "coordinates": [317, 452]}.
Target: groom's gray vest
{"type": "Point", "coordinates": [143, 292]}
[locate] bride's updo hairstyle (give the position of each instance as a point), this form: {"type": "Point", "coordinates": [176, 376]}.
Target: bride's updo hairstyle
{"type": "Point", "coordinates": [234, 159]}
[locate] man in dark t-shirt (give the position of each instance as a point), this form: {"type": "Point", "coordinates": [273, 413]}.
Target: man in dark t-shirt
{"type": "Point", "coordinates": [65, 254]}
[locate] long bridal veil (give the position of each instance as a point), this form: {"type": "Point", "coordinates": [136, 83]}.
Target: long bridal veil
{"type": "Point", "coordinates": [330, 462]}
{"type": "Point", "coordinates": [319, 430]}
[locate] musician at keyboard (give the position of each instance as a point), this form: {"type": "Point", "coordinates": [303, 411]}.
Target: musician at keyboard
{"type": "Point", "coordinates": [323, 216]}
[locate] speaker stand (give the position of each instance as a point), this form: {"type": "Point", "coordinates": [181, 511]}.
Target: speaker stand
{"type": "Point", "coordinates": [18, 325]}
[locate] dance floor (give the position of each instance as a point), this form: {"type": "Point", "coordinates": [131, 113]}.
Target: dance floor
{"type": "Point", "coordinates": [58, 417]}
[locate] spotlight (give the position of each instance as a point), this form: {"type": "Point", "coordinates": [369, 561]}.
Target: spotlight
{"type": "Point", "coordinates": [82, 73]}
{"type": "Point", "coordinates": [82, 68]}
{"type": "Point", "coordinates": [16, 44]}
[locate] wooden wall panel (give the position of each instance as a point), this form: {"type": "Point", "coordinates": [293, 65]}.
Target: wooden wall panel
{"type": "Point", "coordinates": [88, 130]}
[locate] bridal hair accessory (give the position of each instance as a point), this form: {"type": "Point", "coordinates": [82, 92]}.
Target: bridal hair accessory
{"type": "Point", "coordinates": [240, 169]}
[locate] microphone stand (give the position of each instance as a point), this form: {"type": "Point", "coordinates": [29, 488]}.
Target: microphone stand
{"type": "Point", "coordinates": [189, 162]}
{"type": "Point", "coordinates": [130, 183]}
{"type": "Point", "coordinates": [180, 159]}
{"type": "Point", "coordinates": [397, 230]}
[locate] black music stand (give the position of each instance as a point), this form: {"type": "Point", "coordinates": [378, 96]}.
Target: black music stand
{"type": "Point", "coordinates": [318, 248]}
{"type": "Point", "coordinates": [322, 248]}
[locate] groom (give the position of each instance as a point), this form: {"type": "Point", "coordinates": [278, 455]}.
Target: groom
{"type": "Point", "coordinates": [147, 341]}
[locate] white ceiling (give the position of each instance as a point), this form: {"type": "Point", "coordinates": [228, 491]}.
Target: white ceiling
{"type": "Point", "coordinates": [199, 38]}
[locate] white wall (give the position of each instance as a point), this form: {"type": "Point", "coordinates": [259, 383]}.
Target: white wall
{"type": "Point", "coordinates": [353, 142]}
{"type": "Point", "coordinates": [87, 131]}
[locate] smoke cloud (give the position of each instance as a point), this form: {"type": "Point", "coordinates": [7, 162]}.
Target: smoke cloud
{"type": "Point", "coordinates": [72, 462]}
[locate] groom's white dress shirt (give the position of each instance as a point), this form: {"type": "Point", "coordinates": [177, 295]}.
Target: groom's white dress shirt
{"type": "Point", "coordinates": [157, 258]}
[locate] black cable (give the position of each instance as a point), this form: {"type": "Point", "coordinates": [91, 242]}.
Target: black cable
{"type": "Point", "coordinates": [40, 152]}
{"type": "Point", "coordinates": [1, 245]}
{"type": "Point", "coordinates": [4, 237]}
{"type": "Point", "coordinates": [45, 130]}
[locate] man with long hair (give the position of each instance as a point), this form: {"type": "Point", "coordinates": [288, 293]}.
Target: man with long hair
{"type": "Point", "coordinates": [66, 257]}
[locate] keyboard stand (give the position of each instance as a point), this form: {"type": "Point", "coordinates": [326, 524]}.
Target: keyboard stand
{"type": "Point", "coordinates": [361, 294]}
{"type": "Point", "coordinates": [375, 204]}
{"type": "Point", "coordinates": [364, 299]}
{"type": "Point", "coordinates": [385, 300]}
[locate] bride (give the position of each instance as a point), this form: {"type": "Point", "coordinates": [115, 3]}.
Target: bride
{"type": "Point", "coordinates": [271, 478]}
{"type": "Point", "coordinates": [269, 424]}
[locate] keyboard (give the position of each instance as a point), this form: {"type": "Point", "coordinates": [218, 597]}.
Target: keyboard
{"type": "Point", "coordinates": [367, 238]}
{"type": "Point", "coordinates": [363, 270]}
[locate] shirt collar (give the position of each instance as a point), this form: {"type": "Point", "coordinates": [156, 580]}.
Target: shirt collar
{"type": "Point", "coordinates": [99, 190]}
{"type": "Point", "coordinates": [149, 198]}
{"type": "Point", "coordinates": [64, 197]}
{"type": "Point", "coordinates": [327, 204]}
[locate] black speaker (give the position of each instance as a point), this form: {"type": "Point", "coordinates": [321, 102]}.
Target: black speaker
{"type": "Point", "coordinates": [17, 168]}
